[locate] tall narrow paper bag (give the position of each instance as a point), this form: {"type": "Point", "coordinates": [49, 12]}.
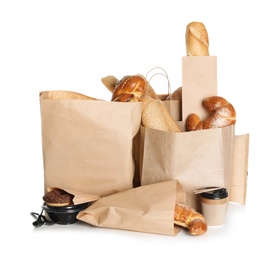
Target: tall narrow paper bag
{"type": "Point", "coordinates": [199, 81]}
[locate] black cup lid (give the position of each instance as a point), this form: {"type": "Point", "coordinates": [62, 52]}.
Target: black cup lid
{"type": "Point", "coordinates": [215, 194]}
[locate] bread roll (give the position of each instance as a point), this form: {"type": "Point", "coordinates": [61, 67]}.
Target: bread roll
{"type": "Point", "coordinates": [222, 114]}
{"type": "Point", "coordinates": [197, 40]}
{"type": "Point", "coordinates": [134, 86]}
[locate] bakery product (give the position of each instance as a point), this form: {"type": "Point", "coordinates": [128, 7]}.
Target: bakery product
{"type": "Point", "coordinates": [134, 86]}
{"type": "Point", "coordinates": [222, 114]}
{"type": "Point", "coordinates": [189, 218]}
{"type": "Point", "coordinates": [58, 198]}
{"type": "Point", "coordinates": [197, 40]}
{"type": "Point", "coordinates": [64, 94]}
{"type": "Point", "coordinates": [155, 115]}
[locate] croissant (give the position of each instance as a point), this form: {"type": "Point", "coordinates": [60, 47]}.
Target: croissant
{"type": "Point", "coordinates": [222, 114]}
{"type": "Point", "coordinates": [189, 218]}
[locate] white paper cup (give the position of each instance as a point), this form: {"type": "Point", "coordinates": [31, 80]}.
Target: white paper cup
{"type": "Point", "coordinates": [214, 206]}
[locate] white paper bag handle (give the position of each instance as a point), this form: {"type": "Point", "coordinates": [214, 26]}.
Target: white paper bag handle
{"type": "Point", "coordinates": [159, 73]}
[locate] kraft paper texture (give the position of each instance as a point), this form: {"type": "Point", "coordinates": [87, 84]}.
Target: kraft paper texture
{"type": "Point", "coordinates": [88, 145]}
{"type": "Point", "coordinates": [148, 209]}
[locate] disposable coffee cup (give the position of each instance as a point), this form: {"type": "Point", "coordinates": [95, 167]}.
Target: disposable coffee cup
{"type": "Point", "coordinates": [214, 205]}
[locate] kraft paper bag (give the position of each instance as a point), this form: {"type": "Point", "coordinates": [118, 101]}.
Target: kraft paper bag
{"type": "Point", "coordinates": [199, 81]}
{"type": "Point", "coordinates": [88, 144]}
{"type": "Point", "coordinates": [196, 159]}
{"type": "Point", "coordinates": [240, 169]}
{"type": "Point", "coordinates": [148, 209]}
{"type": "Point", "coordinates": [174, 107]}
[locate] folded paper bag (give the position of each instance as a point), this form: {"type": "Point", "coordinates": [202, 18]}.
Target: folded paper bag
{"type": "Point", "coordinates": [148, 209]}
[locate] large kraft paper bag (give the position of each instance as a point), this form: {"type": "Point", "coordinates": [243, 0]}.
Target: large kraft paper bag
{"type": "Point", "coordinates": [88, 144]}
{"type": "Point", "coordinates": [148, 209]}
{"type": "Point", "coordinates": [196, 159]}
{"type": "Point", "coordinates": [199, 81]}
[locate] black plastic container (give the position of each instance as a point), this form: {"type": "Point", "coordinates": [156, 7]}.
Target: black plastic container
{"type": "Point", "coordinates": [64, 215]}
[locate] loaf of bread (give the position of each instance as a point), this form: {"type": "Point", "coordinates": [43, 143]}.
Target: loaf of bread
{"type": "Point", "coordinates": [197, 40]}
{"type": "Point", "coordinates": [222, 113]}
{"type": "Point", "coordinates": [155, 115]}
{"type": "Point", "coordinates": [132, 86]}
{"type": "Point", "coordinates": [127, 89]}
{"type": "Point", "coordinates": [189, 218]}
{"type": "Point", "coordinates": [64, 94]}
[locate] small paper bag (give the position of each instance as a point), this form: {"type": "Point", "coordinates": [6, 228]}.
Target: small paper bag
{"type": "Point", "coordinates": [199, 81]}
{"type": "Point", "coordinates": [88, 144]}
{"type": "Point", "coordinates": [196, 159]}
{"type": "Point", "coordinates": [148, 209]}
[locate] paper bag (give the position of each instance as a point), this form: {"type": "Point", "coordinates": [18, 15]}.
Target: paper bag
{"type": "Point", "coordinates": [199, 81]}
{"type": "Point", "coordinates": [196, 159]}
{"type": "Point", "coordinates": [148, 209]}
{"type": "Point", "coordinates": [88, 145]}
{"type": "Point", "coordinates": [240, 169]}
{"type": "Point", "coordinates": [174, 107]}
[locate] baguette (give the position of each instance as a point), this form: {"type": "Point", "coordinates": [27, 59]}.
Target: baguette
{"type": "Point", "coordinates": [197, 40]}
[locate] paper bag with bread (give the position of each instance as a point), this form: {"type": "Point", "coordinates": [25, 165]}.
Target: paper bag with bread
{"type": "Point", "coordinates": [88, 143]}
{"type": "Point", "coordinates": [202, 154]}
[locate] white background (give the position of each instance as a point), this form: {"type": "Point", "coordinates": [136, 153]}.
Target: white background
{"type": "Point", "coordinates": [71, 45]}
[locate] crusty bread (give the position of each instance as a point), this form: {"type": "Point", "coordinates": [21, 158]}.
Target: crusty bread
{"type": "Point", "coordinates": [134, 86]}
{"type": "Point", "coordinates": [197, 40]}
{"type": "Point", "coordinates": [63, 94]}
{"type": "Point", "coordinates": [155, 115]}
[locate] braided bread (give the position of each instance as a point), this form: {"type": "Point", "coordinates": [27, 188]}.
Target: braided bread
{"type": "Point", "coordinates": [189, 218]}
{"type": "Point", "coordinates": [132, 86]}
{"type": "Point", "coordinates": [222, 114]}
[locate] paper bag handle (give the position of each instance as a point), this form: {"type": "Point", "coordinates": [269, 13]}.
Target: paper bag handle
{"type": "Point", "coordinates": [159, 73]}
